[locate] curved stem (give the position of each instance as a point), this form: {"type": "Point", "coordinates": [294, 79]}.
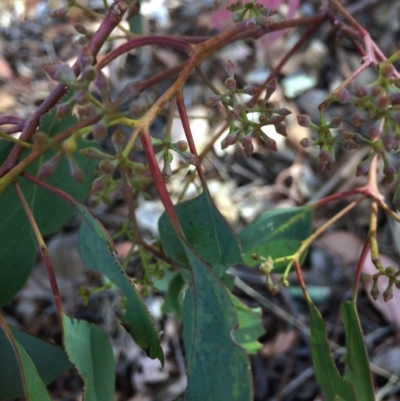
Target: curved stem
{"type": "Point", "coordinates": [43, 250]}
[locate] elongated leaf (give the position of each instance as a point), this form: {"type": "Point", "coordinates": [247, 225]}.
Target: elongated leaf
{"type": "Point", "coordinates": [217, 368]}
{"type": "Point", "coordinates": [276, 233]}
{"type": "Point", "coordinates": [250, 327]}
{"type": "Point", "coordinates": [49, 360]}
{"type": "Point", "coordinates": [174, 297]}
{"type": "Point", "coordinates": [89, 350]}
{"type": "Point", "coordinates": [95, 250]}
{"type": "Point", "coordinates": [357, 370]}
{"type": "Point", "coordinates": [17, 253]}
{"type": "Point", "coordinates": [32, 384]}
{"type": "Point", "coordinates": [205, 230]}
{"type": "Point", "coordinates": [328, 377]}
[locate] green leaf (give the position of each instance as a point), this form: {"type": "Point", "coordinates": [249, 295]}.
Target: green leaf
{"type": "Point", "coordinates": [89, 350]}
{"type": "Point", "coordinates": [217, 368]}
{"type": "Point", "coordinates": [328, 377]}
{"type": "Point", "coordinates": [33, 387]}
{"type": "Point", "coordinates": [357, 370]}
{"type": "Point", "coordinates": [18, 250]}
{"type": "Point", "coordinates": [206, 231]}
{"type": "Point", "coordinates": [250, 327]}
{"type": "Point", "coordinates": [277, 233]}
{"type": "Point", "coordinates": [49, 360]}
{"type": "Point", "coordinates": [95, 250]}
{"type": "Point", "coordinates": [174, 298]}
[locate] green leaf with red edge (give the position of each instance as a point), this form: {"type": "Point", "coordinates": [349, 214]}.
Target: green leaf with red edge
{"type": "Point", "coordinates": [18, 250]}
{"type": "Point", "coordinates": [357, 370]}
{"type": "Point", "coordinates": [277, 233]}
{"type": "Point", "coordinates": [205, 230]}
{"type": "Point", "coordinates": [34, 388]}
{"type": "Point", "coordinates": [217, 368]}
{"type": "Point", "coordinates": [90, 352]}
{"type": "Point", "coordinates": [96, 251]}
{"type": "Point", "coordinates": [332, 384]}
{"type": "Point", "coordinates": [49, 360]}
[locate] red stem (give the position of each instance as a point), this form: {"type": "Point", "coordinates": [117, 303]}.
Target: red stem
{"type": "Point", "coordinates": [43, 250]}
{"type": "Point", "coordinates": [360, 266]}
{"type": "Point", "coordinates": [174, 43]}
{"type": "Point", "coordinates": [192, 146]}
{"type": "Point", "coordinates": [11, 120]}
{"type": "Point", "coordinates": [159, 182]}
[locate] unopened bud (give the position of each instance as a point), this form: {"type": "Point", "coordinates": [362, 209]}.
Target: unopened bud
{"type": "Point", "coordinates": [188, 157]}
{"type": "Point", "coordinates": [383, 102]}
{"type": "Point", "coordinates": [86, 58]}
{"type": "Point", "coordinates": [99, 131]}
{"type": "Point", "coordinates": [94, 154]}
{"type": "Point", "coordinates": [357, 119]}
{"type": "Point", "coordinates": [388, 293]}
{"type": "Point", "coordinates": [270, 89]}
{"type": "Point", "coordinates": [395, 99]}
{"type": "Point", "coordinates": [306, 142]}
{"type": "Point", "coordinates": [86, 111]}
{"type": "Point", "coordinates": [212, 101]}
{"type": "Point", "coordinates": [251, 23]}
{"type": "Point", "coordinates": [234, 114]}
{"type": "Point", "coordinates": [182, 146]}
{"type": "Point", "coordinates": [376, 91]}
{"type": "Point", "coordinates": [228, 141]}
{"type": "Point", "coordinates": [76, 172]}
{"type": "Point", "coordinates": [343, 96]}
{"type": "Point", "coordinates": [336, 121]}
{"type": "Point", "coordinates": [362, 91]}
{"type": "Point", "coordinates": [230, 83]}
{"type": "Point", "coordinates": [303, 120]}
{"type": "Point", "coordinates": [80, 28]}
{"type": "Point", "coordinates": [99, 184]}
{"type": "Point", "coordinates": [386, 70]}
{"type": "Point", "coordinates": [118, 139]}
{"type": "Point", "coordinates": [101, 84]}
{"type": "Point", "coordinates": [131, 91]}
{"type": "Point", "coordinates": [364, 165]}
{"type": "Point", "coordinates": [81, 98]}
{"type": "Point", "coordinates": [280, 129]}
{"type": "Point", "coordinates": [89, 73]}
{"type": "Point", "coordinates": [64, 110]}
{"type": "Point", "coordinates": [367, 278]}
{"type": "Point", "coordinates": [247, 145]}
{"type": "Point", "coordinates": [270, 144]}
{"type": "Point", "coordinates": [60, 13]}
{"type": "Point", "coordinates": [390, 271]}
{"type": "Point", "coordinates": [69, 146]}
{"type": "Point", "coordinates": [47, 169]}
{"type": "Point", "coordinates": [106, 167]}
{"type": "Point", "coordinates": [60, 72]}
{"type": "Point", "coordinates": [276, 119]}
{"type": "Point", "coordinates": [374, 291]}
{"type": "Point", "coordinates": [283, 112]}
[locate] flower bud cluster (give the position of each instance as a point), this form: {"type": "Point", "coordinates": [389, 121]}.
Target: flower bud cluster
{"type": "Point", "coordinates": [392, 274]}
{"type": "Point", "coordinates": [378, 105]}
{"type": "Point", "coordinates": [325, 139]}
{"type": "Point", "coordinates": [242, 128]}
{"type": "Point", "coordinates": [254, 13]}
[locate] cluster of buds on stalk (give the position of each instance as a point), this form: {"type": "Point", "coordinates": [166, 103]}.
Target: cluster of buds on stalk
{"type": "Point", "coordinates": [254, 13]}
{"type": "Point", "coordinates": [243, 128]}
{"type": "Point", "coordinates": [392, 274]}
{"type": "Point", "coordinates": [181, 147]}
{"type": "Point", "coordinates": [378, 107]}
